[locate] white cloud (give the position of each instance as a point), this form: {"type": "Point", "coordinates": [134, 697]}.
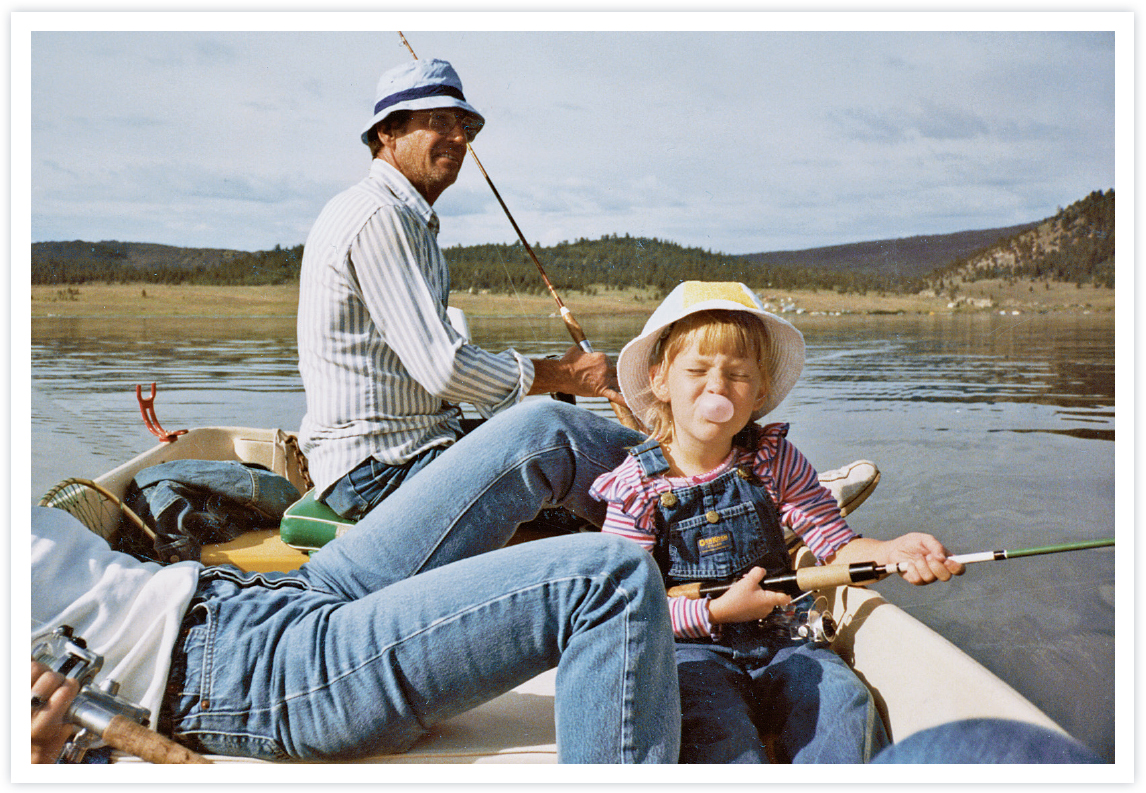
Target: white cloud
{"type": "Point", "coordinates": [738, 142]}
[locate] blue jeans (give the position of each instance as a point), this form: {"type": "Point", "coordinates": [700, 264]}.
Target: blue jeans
{"type": "Point", "coordinates": [805, 695]}
{"type": "Point", "coordinates": [987, 741]}
{"type": "Point", "coordinates": [400, 624]}
{"type": "Point", "coordinates": [373, 480]}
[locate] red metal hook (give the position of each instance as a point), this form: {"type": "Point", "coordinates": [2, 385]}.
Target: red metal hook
{"type": "Point", "coordinates": [147, 410]}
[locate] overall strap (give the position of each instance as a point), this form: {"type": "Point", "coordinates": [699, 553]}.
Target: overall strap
{"type": "Point", "coordinates": [650, 457]}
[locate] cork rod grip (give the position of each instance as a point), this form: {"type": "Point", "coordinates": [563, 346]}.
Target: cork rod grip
{"type": "Point", "coordinates": [135, 739]}
{"type": "Point", "coordinates": [690, 591]}
{"type": "Point", "coordinates": [811, 578]}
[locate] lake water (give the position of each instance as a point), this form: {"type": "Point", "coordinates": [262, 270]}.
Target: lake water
{"type": "Point", "coordinates": [990, 432]}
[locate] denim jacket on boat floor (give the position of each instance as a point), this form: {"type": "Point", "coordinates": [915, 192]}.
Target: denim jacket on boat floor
{"type": "Point", "coordinates": [192, 503]}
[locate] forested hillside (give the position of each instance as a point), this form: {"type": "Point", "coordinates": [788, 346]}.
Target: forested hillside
{"type": "Point", "coordinates": [78, 262]}
{"type": "Point", "coordinates": [908, 257]}
{"type": "Point", "coordinates": [1075, 245]}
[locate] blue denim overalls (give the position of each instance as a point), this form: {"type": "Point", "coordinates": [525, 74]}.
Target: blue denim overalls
{"type": "Point", "coordinates": [754, 680]}
{"type": "Point", "coordinates": [717, 531]}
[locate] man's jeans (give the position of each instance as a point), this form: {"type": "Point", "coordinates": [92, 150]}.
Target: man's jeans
{"type": "Point", "coordinates": [399, 624]}
{"type": "Point", "coordinates": [363, 488]}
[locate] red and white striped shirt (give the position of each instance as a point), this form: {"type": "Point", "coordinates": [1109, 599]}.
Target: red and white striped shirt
{"type": "Point", "coordinates": [805, 507]}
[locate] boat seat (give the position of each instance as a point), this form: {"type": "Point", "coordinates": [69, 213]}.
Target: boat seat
{"type": "Point", "coordinates": [261, 551]}
{"type": "Point", "coordinates": [308, 524]}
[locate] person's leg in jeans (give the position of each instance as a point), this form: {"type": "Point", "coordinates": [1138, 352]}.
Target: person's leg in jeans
{"type": "Point", "coordinates": [819, 710]}
{"type": "Point", "coordinates": [278, 671]}
{"type": "Point", "coordinates": [472, 498]}
{"type": "Point", "coordinates": [987, 741]}
{"type": "Point", "coordinates": [716, 705]}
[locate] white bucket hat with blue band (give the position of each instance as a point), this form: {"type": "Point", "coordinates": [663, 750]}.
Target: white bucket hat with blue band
{"type": "Point", "coordinates": [418, 85]}
{"type": "Point", "coordinates": [784, 358]}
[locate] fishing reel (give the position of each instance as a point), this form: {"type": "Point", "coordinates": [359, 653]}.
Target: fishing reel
{"type": "Point", "coordinates": [94, 707]}
{"type": "Point", "coordinates": [804, 620]}
{"type": "Point", "coordinates": [815, 624]}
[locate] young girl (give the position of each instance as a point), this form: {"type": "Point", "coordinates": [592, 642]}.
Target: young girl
{"type": "Point", "coordinates": [709, 495]}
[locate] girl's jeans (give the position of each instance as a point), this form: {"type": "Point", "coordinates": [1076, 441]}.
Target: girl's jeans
{"type": "Point", "coordinates": [805, 695]}
{"type": "Point", "coordinates": [406, 620]}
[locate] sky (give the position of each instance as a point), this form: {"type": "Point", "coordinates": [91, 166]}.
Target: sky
{"type": "Point", "coordinates": [764, 132]}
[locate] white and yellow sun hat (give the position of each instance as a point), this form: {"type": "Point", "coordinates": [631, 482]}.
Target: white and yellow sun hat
{"type": "Point", "coordinates": [785, 357]}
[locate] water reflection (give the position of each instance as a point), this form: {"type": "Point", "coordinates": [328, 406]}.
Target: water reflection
{"type": "Point", "coordinates": [991, 432]}
{"type": "Point", "coordinates": [974, 361]}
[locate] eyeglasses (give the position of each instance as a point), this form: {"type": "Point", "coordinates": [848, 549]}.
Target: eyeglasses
{"type": "Point", "coordinates": [444, 122]}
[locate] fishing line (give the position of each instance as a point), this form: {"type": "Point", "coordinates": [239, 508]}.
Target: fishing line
{"type": "Point", "coordinates": [517, 296]}
{"type": "Point", "coordinates": [566, 315]}
{"type": "Point", "coordinates": [622, 412]}
{"type": "Point", "coordinates": [500, 258]}
{"type": "Point", "coordinates": [1012, 326]}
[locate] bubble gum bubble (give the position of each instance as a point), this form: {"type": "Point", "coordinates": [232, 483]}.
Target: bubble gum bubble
{"type": "Point", "coordinates": [715, 408]}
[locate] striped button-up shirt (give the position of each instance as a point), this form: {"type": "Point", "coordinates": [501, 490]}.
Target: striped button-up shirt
{"type": "Point", "coordinates": [805, 506]}
{"type": "Point", "coordinates": [382, 367]}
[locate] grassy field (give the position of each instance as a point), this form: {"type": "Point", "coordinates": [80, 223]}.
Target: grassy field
{"type": "Point", "coordinates": [102, 300]}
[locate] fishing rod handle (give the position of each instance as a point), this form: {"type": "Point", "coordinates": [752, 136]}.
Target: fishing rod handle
{"type": "Point", "coordinates": [574, 328]}
{"type": "Point", "coordinates": [620, 410]}
{"type": "Point", "coordinates": [690, 591]}
{"type": "Point", "coordinates": [121, 725]}
{"type": "Point", "coordinates": [135, 739]}
{"type": "Point", "coordinates": [625, 416]}
{"type": "Point", "coordinates": [785, 582]}
{"type": "Point", "coordinates": [832, 575]}
{"type": "Point", "coordinates": [806, 579]}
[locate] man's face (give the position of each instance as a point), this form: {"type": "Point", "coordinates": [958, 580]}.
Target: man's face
{"type": "Point", "coordinates": [429, 149]}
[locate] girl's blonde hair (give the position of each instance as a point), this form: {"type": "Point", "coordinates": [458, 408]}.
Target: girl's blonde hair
{"type": "Point", "coordinates": [714, 330]}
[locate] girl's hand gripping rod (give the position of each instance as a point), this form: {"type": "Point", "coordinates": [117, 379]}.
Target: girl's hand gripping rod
{"type": "Point", "coordinates": [807, 579]}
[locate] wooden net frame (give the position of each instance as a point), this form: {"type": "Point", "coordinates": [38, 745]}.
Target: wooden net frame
{"type": "Point", "coordinates": [93, 505]}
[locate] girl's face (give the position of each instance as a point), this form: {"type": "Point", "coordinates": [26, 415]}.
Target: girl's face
{"type": "Point", "coordinates": [691, 374]}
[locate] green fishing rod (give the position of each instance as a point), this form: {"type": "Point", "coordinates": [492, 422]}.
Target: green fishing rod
{"type": "Point", "coordinates": [807, 579]}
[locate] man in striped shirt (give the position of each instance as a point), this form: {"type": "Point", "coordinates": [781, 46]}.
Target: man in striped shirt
{"type": "Point", "coordinates": [383, 368]}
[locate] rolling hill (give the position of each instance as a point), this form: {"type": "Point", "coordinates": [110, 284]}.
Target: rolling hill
{"type": "Point", "coordinates": [1075, 245]}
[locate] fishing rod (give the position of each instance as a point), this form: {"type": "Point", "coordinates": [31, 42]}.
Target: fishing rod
{"type": "Point", "coordinates": [624, 415]}
{"type": "Point", "coordinates": [807, 579]}
{"type": "Point", "coordinates": [100, 712]}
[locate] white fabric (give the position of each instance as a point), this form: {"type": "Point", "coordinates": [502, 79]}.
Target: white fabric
{"type": "Point", "coordinates": [128, 611]}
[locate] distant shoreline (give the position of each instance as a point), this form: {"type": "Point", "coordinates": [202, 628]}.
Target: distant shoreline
{"type": "Point", "coordinates": [158, 300]}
